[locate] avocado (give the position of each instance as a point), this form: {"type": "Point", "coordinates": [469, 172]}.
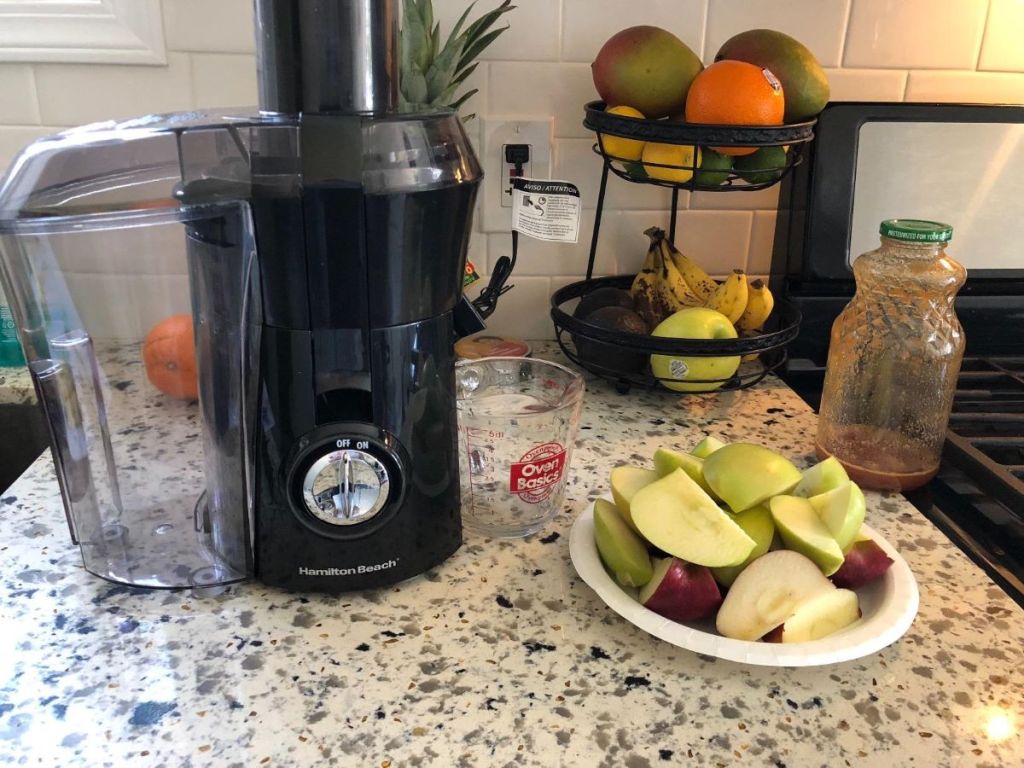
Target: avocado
{"type": "Point", "coordinates": [804, 84]}
{"type": "Point", "coordinates": [603, 297]}
{"type": "Point", "coordinates": [616, 357]}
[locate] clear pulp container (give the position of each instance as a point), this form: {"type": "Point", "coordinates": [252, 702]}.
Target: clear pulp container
{"type": "Point", "coordinates": [893, 360]}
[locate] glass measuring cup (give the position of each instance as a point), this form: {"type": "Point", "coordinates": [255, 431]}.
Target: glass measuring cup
{"type": "Point", "coordinates": [517, 422]}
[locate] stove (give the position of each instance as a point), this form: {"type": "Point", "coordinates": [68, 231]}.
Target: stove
{"type": "Point", "coordinates": [977, 499]}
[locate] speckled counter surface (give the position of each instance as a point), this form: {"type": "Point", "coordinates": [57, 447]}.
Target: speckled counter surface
{"type": "Point", "coordinates": [501, 656]}
{"type": "Point", "coordinates": [16, 385]}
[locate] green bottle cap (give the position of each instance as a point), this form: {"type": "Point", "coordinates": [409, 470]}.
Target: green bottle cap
{"type": "Point", "coordinates": [916, 230]}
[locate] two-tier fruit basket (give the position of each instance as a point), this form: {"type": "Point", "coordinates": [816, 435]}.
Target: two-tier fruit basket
{"type": "Point", "coordinates": [763, 351]}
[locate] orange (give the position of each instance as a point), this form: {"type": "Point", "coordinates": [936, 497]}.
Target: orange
{"type": "Point", "coordinates": [735, 93]}
{"type": "Point", "coordinates": [169, 354]}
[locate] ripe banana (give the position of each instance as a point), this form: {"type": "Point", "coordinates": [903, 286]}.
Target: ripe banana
{"type": "Point", "coordinates": [759, 305]}
{"type": "Point", "coordinates": [677, 292]}
{"type": "Point", "coordinates": [694, 275]}
{"type": "Point", "coordinates": [730, 297]}
{"type": "Point", "coordinates": [646, 289]}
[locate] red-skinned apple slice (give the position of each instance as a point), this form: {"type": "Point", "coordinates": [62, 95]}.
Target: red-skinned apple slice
{"type": "Point", "coordinates": [865, 561]}
{"type": "Point", "coordinates": [767, 593]}
{"type": "Point", "coordinates": [681, 591]}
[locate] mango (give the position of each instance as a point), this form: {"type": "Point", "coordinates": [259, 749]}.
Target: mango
{"type": "Point", "coordinates": [803, 80]}
{"type": "Point", "coordinates": [647, 68]}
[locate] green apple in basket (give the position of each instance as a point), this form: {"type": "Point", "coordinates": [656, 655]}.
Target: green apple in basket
{"type": "Point", "coordinates": [681, 373]}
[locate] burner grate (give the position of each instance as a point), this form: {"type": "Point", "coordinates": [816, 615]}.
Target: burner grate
{"type": "Point", "coordinates": [986, 429]}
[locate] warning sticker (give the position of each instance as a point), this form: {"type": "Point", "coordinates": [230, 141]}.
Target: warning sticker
{"type": "Point", "coordinates": [546, 210]}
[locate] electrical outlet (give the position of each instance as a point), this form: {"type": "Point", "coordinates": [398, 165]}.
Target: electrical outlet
{"type": "Point", "coordinates": [498, 133]}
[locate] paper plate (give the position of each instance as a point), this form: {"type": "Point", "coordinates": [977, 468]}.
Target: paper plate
{"type": "Point", "coordinates": [888, 606]}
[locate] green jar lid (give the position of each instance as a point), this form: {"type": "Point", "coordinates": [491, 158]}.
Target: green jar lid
{"type": "Point", "coordinates": [916, 230]}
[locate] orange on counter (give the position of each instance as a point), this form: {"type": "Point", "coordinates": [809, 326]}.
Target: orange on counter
{"type": "Point", "coordinates": [735, 93]}
{"type": "Point", "coordinates": [169, 354]}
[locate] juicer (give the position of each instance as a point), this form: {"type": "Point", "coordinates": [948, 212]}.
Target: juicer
{"type": "Point", "coordinates": [318, 246]}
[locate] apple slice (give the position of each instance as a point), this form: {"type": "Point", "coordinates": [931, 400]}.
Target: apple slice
{"type": "Point", "coordinates": [681, 591]}
{"type": "Point", "coordinates": [706, 447]}
{"type": "Point", "coordinates": [842, 511]}
{"type": "Point", "coordinates": [821, 478]}
{"type": "Point", "coordinates": [819, 617]}
{"type": "Point", "coordinates": [757, 523]}
{"type": "Point", "coordinates": [743, 474]}
{"type": "Point", "coordinates": [623, 553]}
{"type": "Point", "coordinates": [626, 481]}
{"type": "Point", "coordinates": [767, 593]}
{"type": "Point", "coordinates": [667, 461]}
{"type": "Point", "coordinates": [678, 517]}
{"type": "Point", "coordinates": [803, 532]}
{"type": "Point", "coordinates": [865, 561]}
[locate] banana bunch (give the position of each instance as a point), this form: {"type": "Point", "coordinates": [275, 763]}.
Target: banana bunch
{"type": "Point", "coordinates": [669, 281]}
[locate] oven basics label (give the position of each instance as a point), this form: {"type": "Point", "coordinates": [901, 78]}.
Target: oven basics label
{"type": "Point", "coordinates": [536, 475]}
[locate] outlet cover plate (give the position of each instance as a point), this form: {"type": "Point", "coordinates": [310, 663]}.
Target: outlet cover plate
{"type": "Point", "coordinates": [497, 133]}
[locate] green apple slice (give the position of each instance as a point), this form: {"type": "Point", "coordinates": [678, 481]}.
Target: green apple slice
{"type": "Point", "coordinates": [767, 593]}
{"type": "Point", "coordinates": [842, 511]}
{"type": "Point", "coordinates": [822, 616]}
{"type": "Point", "coordinates": [757, 523]}
{"type": "Point", "coordinates": [626, 481]}
{"type": "Point", "coordinates": [667, 461]}
{"type": "Point", "coordinates": [706, 447]}
{"type": "Point", "coordinates": [804, 532]}
{"type": "Point", "coordinates": [621, 550]}
{"type": "Point", "coordinates": [821, 478]}
{"type": "Point", "coordinates": [677, 516]}
{"type": "Point", "coordinates": [743, 474]}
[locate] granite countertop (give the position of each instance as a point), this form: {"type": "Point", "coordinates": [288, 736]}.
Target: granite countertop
{"type": "Point", "coordinates": [16, 385]}
{"type": "Point", "coordinates": [501, 656]}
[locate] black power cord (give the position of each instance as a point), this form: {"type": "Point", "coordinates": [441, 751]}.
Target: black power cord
{"type": "Point", "coordinates": [516, 155]}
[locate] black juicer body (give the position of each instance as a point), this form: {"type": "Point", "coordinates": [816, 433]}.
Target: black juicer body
{"type": "Point", "coordinates": [356, 400]}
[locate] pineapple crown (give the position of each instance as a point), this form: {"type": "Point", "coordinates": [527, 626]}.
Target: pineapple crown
{"type": "Point", "coordinates": [431, 74]}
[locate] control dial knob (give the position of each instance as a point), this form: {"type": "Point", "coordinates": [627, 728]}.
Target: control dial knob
{"type": "Point", "coordinates": [345, 487]}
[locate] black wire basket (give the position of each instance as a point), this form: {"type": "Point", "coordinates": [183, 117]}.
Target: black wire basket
{"type": "Point", "coordinates": [762, 352]}
{"type": "Point", "coordinates": [690, 175]}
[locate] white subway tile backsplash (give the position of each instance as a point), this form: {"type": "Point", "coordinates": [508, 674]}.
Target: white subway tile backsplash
{"type": "Point", "coordinates": [821, 31]}
{"type": "Point", "coordinates": [1003, 47]}
{"type": "Point", "coordinates": [757, 199]}
{"type": "Point", "coordinates": [523, 311]}
{"type": "Point", "coordinates": [218, 26]}
{"type": "Point", "coordinates": [976, 87]}
{"type": "Point", "coordinates": [536, 257]}
{"type": "Point", "coordinates": [587, 24]}
{"type": "Point", "coordinates": [541, 89]}
{"type": "Point", "coordinates": [224, 80]}
{"type": "Point", "coordinates": [533, 28]}
{"type": "Point", "coordinates": [866, 84]}
{"type": "Point", "coordinates": [937, 34]}
{"type": "Point", "coordinates": [18, 89]}
{"type": "Point", "coordinates": [762, 239]}
{"type": "Point", "coordinates": [71, 94]}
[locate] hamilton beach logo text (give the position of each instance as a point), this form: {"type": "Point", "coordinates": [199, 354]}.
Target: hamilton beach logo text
{"type": "Point", "coordinates": [304, 571]}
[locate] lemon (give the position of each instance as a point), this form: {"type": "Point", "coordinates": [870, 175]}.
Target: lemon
{"type": "Point", "coordinates": [618, 147]}
{"type": "Point", "coordinates": [679, 155]}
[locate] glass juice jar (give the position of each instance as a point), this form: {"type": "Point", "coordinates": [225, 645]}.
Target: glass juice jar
{"type": "Point", "coordinates": [893, 360]}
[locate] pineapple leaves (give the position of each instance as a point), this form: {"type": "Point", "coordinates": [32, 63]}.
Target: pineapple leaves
{"type": "Point", "coordinates": [430, 72]}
